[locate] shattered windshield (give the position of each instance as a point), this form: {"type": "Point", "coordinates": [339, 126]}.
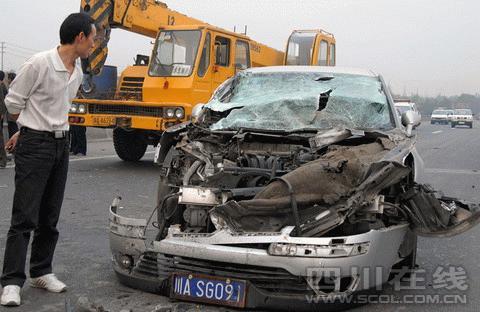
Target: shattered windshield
{"type": "Point", "coordinates": [175, 53]}
{"type": "Point", "coordinates": [301, 101]}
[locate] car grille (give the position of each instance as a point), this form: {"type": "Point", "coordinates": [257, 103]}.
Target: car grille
{"type": "Point", "coordinates": [131, 88]}
{"type": "Point", "coordinates": [115, 109]}
{"type": "Point", "coordinates": [272, 280]}
{"type": "Point", "coordinates": [147, 265]}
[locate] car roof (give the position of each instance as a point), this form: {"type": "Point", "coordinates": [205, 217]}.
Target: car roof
{"type": "Point", "coordinates": [313, 69]}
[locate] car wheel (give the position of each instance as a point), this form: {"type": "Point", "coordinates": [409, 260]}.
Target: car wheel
{"type": "Point", "coordinates": [453, 125]}
{"type": "Point", "coordinates": [471, 125]}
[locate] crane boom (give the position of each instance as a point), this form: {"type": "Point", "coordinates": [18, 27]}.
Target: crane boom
{"type": "Point", "coordinates": [143, 17]}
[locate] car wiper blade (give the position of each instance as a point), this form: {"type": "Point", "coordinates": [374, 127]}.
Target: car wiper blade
{"type": "Point", "coordinates": [324, 78]}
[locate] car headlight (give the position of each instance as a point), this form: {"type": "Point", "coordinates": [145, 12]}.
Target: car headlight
{"type": "Point", "coordinates": [170, 112]}
{"type": "Point", "coordinates": [179, 113]}
{"type": "Point", "coordinates": [74, 108]}
{"type": "Point", "coordinates": [82, 109]}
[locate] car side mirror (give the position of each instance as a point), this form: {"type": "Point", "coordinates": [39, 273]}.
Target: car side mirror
{"type": "Point", "coordinates": [408, 121]}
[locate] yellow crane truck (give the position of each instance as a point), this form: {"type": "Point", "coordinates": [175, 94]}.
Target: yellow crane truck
{"type": "Point", "coordinates": [189, 60]}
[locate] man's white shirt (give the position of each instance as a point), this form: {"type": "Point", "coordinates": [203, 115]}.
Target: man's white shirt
{"type": "Point", "coordinates": [42, 92]}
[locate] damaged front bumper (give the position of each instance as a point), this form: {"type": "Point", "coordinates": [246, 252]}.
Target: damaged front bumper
{"type": "Point", "coordinates": [281, 271]}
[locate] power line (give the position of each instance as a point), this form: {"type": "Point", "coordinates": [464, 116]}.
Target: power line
{"type": "Point", "coordinates": [20, 47]}
{"type": "Point", "coordinates": [17, 55]}
{"type": "Point", "coordinates": [9, 48]}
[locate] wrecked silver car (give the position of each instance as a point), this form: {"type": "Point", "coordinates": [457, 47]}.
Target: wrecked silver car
{"type": "Point", "coordinates": [286, 174]}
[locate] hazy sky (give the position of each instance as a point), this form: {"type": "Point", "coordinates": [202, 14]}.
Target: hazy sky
{"type": "Point", "coordinates": [431, 46]}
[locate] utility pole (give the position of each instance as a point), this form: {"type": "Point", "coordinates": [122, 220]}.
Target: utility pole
{"type": "Point", "coordinates": [2, 51]}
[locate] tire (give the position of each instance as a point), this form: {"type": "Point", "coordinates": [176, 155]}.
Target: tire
{"type": "Point", "coordinates": [129, 145]}
{"type": "Point", "coordinates": [471, 125]}
{"type": "Point", "coordinates": [453, 125]}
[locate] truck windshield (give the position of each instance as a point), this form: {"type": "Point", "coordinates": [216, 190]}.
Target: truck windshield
{"type": "Point", "coordinates": [175, 53]}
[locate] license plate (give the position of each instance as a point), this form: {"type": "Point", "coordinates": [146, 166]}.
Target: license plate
{"type": "Point", "coordinates": [208, 289]}
{"type": "Point", "coordinates": [461, 122]}
{"type": "Point", "coordinates": [103, 121]}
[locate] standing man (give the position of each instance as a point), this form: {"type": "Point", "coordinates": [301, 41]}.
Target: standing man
{"type": "Point", "coordinates": [40, 97]}
{"type": "Point", "coordinates": [3, 113]}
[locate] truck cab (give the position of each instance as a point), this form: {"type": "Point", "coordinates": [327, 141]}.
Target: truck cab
{"type": "Point", "coordinates": [311, 47]}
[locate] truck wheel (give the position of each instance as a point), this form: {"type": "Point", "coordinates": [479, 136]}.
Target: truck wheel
{"type": "Point", "coordinates": [129, 145]}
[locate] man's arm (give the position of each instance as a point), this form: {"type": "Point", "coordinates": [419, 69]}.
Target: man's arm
{"type": "Point", "coordinates": [21, 88]}
{"type": "Point", "coordinates": [12, 143]}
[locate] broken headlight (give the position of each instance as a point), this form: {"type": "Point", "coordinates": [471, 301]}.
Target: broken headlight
{"type": "Point", "coordinates": [320, 251]}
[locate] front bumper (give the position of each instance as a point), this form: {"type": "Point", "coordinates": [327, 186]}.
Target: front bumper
{"type": "Point", "coordinates": [439, 120]}
{"type": "Point", "coordinates": [126, 114]}
{"type": "Point", "coordinates": [273, 281]}
{"type": "Point", "coordinates": [462, 121]}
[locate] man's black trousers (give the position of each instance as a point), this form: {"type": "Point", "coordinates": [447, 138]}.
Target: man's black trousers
{"type": "Point", "coordinates": [41, 166]}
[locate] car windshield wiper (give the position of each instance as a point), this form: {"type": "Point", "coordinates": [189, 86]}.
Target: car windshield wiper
{"type": "Point", "coordinates": [324, 78]}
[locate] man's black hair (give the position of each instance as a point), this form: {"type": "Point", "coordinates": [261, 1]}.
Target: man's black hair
{"type": "Point", "coordinates": [73, 25]}
{"type": "Point", "coordinates": [2, 75]}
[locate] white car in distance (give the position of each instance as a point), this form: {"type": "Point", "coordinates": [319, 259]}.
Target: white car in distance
{"type": "Point", "coordinates": [462, 117]}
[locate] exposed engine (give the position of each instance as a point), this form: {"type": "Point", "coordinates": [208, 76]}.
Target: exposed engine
{"type": "Point", "coordinates": [335, 183]}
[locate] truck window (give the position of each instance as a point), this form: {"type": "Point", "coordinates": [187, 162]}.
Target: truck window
{"type": "Point", "coordinates": [205, 59]}
{"type": "Point", "coordinates": [300, 48]}
{"type": "Point", "coordinates": [332, 54]}
{"type": "Point", "coordinates": [242, 55]}
{"type": "Point", "coordinates": [322, 54]}
{"type": "Point", "coordinates": [222, 48]}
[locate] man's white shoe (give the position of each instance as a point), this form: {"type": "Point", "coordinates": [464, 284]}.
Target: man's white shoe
{"type": "Point", "coordinates": [10, 296]}
{"type": "Point", "coordinates": [49, 282]}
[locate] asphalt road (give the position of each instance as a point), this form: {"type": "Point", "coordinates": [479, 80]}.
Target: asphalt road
{"type": "Point", "coordinates": [82, 259]}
